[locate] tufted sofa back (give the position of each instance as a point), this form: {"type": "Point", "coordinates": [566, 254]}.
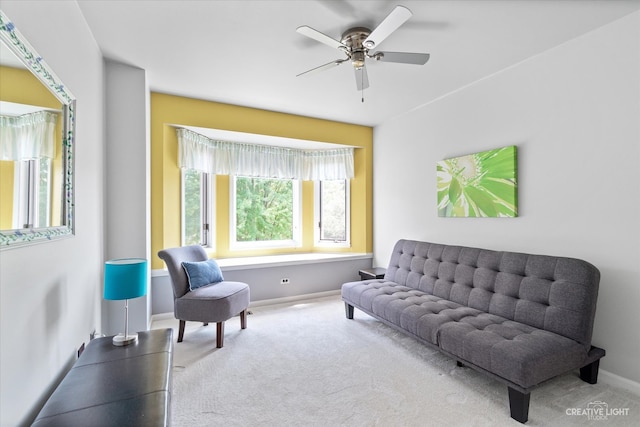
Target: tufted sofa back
{"type": "Point", "coordinates": [552, 293]}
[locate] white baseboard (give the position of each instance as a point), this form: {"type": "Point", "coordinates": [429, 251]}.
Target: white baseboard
{"type": "Point", "coordinates": [166, 316]}
{"type": "Point", "coordinates": [282, 300]}
{"type": "Point", "coordinates": [608, 378]}
{"type": "Point", "coordinates": [161, 316]}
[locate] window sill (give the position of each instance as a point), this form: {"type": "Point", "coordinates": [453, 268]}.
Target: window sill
{"type": "Point", "coordinates": [230, 264]}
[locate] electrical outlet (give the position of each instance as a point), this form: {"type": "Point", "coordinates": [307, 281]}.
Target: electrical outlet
{"type": "Point", "coordinates": [284, 281]}
{"type": "Point", "coordinates": [80, 350]}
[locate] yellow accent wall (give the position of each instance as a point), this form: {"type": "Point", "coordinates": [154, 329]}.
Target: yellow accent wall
{"type": "Point", "coordinates": [169, 110]}
{"type": "Point", "coordinates": [6, 195]}
{"type": "Point", "coordinates": [22, 87]}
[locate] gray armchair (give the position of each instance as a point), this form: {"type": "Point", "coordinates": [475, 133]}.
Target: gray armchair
{"type": "Point", "coordinates": [211, 303]}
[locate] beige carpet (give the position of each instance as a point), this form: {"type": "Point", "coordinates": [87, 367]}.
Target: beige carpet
{"type": "Point", "coordinates": [305, 364]}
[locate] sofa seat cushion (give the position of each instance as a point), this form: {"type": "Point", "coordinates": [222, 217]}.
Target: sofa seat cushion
{"type": "Point", "coordinates": [517, 352]}
{"type": "Point", "coordinates": [415, 311]}
{"type": "Point", "coordinates": [232, 298]}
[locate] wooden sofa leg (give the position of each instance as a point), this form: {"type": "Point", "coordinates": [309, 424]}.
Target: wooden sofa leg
{"type": "Point", "coordinates": [348, 309]}
{"type": "Point", "coordinates": [519, 405]}
{"type": "Point", "coordinates": [219, 334]}
{"type": "Point", "coordinates": [589, 373]}
{"type": "Point", "coordinates": [181, 330]}
{"type": "Point", "coordinates": [243, 319]}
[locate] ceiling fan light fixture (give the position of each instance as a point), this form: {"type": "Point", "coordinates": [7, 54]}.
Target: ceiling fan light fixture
{"type": "Point", "coordinates": [357, 59]}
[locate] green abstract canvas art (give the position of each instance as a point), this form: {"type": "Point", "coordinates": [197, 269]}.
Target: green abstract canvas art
{"type": "Point", "coordinates": [479, 185]}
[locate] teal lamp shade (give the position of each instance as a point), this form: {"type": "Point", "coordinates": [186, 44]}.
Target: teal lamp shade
{"type": "Point", "coordinates": [125, 279]}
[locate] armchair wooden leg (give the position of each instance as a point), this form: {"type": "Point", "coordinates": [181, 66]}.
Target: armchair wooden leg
{"type": "Point", "coordinates": [181, 330]}
{"type": "Point", "coordinates": [219, 334]}
{"type": "Point", "coordinates": [243, 319]}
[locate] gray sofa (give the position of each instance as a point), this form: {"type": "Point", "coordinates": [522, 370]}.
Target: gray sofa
{"type": "Point", "coordinates": [520, 318]}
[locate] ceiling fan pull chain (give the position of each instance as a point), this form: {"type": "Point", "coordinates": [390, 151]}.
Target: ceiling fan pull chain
{"type": "Point", "coordinates": [362, 85]}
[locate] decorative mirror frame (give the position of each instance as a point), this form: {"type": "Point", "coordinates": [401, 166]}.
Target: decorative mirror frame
{"type": "Point", "coordinates": [27, 54]}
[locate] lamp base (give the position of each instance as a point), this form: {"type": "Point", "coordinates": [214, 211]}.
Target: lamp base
{"type": "Point", "coordinates": [122, 339]}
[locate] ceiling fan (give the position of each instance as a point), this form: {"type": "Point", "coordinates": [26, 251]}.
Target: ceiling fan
{"type": "Point", "coordinates": [357, 43]}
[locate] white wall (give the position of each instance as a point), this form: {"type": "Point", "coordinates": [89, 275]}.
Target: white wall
{"type": "Point", "coordinates": [128, 175]}
{"type": "Point", "coordinates": [574, 113]}
{"type": "Point", "coordinates": [50, 293]}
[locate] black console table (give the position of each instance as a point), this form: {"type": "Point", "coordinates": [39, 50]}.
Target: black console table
{"type": "Point", "coordinates": [116, 386]}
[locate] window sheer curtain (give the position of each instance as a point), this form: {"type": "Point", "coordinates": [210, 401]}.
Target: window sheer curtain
{"type": "Point", "coordinates": [198, 152]}
{"type": "Point", "coordinates": [29, 136]}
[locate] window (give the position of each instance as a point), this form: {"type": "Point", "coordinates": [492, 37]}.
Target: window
{"type": "Point", "coordinates": [332, 213]}
{"type": "Point", "coordinates": [197, 209]}
{"type": "Point", "coordinates": [265, 212]}
{"type": "Point", "coordinates": [265, 190]}
{"type": "Point", "coordinates": [32, 193]}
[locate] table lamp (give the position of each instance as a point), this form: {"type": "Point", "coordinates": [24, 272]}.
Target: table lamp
{"type": "Point", "coordinates": [125, 279]}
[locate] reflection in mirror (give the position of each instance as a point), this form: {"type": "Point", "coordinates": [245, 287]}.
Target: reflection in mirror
{"type": "Point", "coordinates": [30, 160]}
{"type": "Point", "coordinates": [37, 118]}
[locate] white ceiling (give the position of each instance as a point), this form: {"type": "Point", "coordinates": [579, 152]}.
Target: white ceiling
{"type": "Point", "coordinates": [248, 52]}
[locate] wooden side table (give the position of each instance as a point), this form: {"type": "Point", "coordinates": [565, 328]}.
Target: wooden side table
{"type": "Point", "coordinates": [372, 273]}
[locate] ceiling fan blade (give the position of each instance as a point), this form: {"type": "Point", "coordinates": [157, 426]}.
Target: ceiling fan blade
{"type": "Point", "coordinates": [362, 80]}
{"type": "Point", "coordinates": [318, 36]}
{"type": "Point", "coordinates": [323, 67]}
{"type": "Point", "coordinates": [403, 57]}
{"type": "Point", "coordinates": [397, 17]}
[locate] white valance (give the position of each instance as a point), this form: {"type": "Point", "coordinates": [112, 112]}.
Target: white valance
{"type": "Point", "coordinates": [198, 152]}
{"type": "Point", "coordinates": [29, 136]}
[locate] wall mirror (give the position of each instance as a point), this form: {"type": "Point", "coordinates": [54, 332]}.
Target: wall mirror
{"type": "Point", "coordinates": [37, 134]}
